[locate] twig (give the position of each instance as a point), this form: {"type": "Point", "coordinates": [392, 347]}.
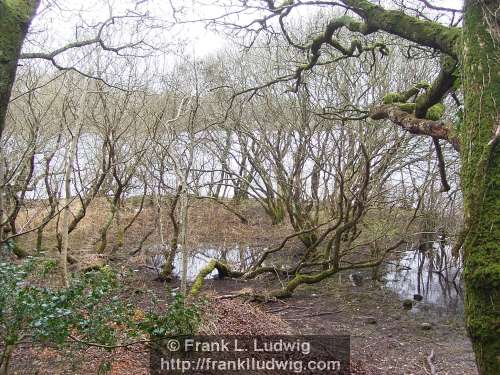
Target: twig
{"type": "Point", "coordinates": [231, 296]}
{"type": "Point", "coordinates": [97, 345]}
{"type": "Point", "coordinates": [321, 314]}
{"type": "Point", "coordinates": [286, 308]}
{"type": "Point", "coordinates": [429, 359]}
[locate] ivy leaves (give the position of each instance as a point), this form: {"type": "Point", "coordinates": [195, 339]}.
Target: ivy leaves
{"type": "Point", "coordinates": [89, 309]}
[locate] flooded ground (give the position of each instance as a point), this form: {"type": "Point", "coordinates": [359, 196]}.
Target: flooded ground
{"type": "Point", "coordinates": [427, 274]}
{"type": "Point", "coordinates": [239, 257]}
{"type": "Point", "coordinates": [386, 337]}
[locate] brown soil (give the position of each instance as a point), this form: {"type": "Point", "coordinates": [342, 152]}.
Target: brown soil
{"type": "Point", "coordinates": [395, 344]}
{"type": "Point", "coordinates": [220, 317]}
{"type": "Point", "coordinates": [385, 338]}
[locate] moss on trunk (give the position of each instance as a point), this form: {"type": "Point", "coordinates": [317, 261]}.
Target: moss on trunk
{"type": "Point", "coordinates": [480, 182]}
{"type": "Point", "coordinates": [423, 32]}
{"type": "Point", "coordinates": [15, 18]}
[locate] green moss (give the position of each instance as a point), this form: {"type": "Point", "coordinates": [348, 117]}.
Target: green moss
{"type": "Point", "coordinates": [223, 270]}
{"type": "Point", "coordinates": [423, 32]}
{"type": "Point", "coordinates": [17, 249]}
{"type": "Point", "coordinates": [301, 279]}
{"type": "Point", "coordinates": [486, 276]}
{"type": "Point", "coordinates": [200, 278]}
{"type": "Point", "coordinates": [457, 80]}
{"type": "Point", "coordinates": [402, 97]}
{"type": "Point", "coordinates": [120, 236]}
{"type": "Point", "coordinates": [15, 17]}
{"type": "Point", "coordinates": [480, 175]}
{"type": "Point", "coordinates": [435, 112]}
{"type": "Point", "coordinates": [407, 107]}
{"type": "Point", "coordinates": [276, 210]}
{"type": "Point", "coordinates": [352, 24]}
{"type": "Point", "coordinates": [392, 97]}
{"type": "Point", "coordinates": [422, 85]}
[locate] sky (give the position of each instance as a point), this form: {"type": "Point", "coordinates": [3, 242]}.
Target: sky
{"type": "Point", "coordinates": [59, 18]}
{"type": "Point", "coordinates": [62, 21]}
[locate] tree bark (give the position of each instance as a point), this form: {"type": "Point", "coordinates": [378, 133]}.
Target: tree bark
{"type": "Point", "coordinates": [480, 178]}
{"type": "Point", "coordinates": [15, 18]}
{"type": "Point", "coordinates": [183, 235]}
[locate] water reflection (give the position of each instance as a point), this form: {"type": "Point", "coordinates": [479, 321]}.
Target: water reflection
{"type": "Point", "coordinates": [238, 257]}
{"type": "Point", "coordinates": [429, 271]}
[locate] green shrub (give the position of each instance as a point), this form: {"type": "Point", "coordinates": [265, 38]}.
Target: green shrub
{"type": "Point", "coordinates": [180, 319]}
{"type": "Point", "coordinates": [89, 311]}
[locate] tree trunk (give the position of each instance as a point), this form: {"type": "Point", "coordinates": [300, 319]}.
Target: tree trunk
{"type": "Point", "coordinates": [103, 240]}
{"type": "Point", "coordinates": [183, 236]}
{"type": "Point", "coordinates": [5, 359]}
{"type": "Point", "coordinates": [71, 155]}
{"type": "Point", "coordinates": [481, 180]}
{"type": "Point", "coordinates": [2, 195]}
{"type": "Point", "coordinates": [15, 18]}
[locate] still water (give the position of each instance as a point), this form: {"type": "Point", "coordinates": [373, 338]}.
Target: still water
{"type": "Point", "coordinates": [429, 271]}
{"type": "Point", "coordinates": [238, 257]}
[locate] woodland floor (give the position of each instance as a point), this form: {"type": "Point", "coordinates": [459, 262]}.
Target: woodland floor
{"type": "Point", "coordinates": [395, 344]}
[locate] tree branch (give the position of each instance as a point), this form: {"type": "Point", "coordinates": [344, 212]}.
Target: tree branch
{"type": "Point", "coordinates": [436, 129]}
{"type": "Point", "coordinates": [423, 32]}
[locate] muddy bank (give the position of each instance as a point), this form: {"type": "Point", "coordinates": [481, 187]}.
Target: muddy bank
{"type": "Point", "coordinates": [385, 337]}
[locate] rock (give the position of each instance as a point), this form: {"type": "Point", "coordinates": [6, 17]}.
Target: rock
{"type": "Point", "coordinates": [407, 304]}
{"type": "Point", "coordinates": [418, 297]}
{"type": "Point", "coordinates": [426, 326]}
{"type": "Point", "coordinates": [370, 320]}
{"type": "Point", "coordinates": [356, 279]}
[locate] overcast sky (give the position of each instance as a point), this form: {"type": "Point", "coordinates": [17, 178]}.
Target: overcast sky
{"type": "Point", "coordinates": [62, 21]}
{"type": "Point", "coordinates": [58, 19]}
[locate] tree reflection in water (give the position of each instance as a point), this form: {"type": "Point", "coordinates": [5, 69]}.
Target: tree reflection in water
{"type": "Point", "coordinates": [431, 271]}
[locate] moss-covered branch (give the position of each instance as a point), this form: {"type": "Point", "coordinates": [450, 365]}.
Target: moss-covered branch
{"type": "Point", "coordinates": [436, 129]}
{"type": "Point", "coordinates": [326, 37]}
{"type": "Point", "coordinates": [423, 32]}
{"type": "Point", "coordinates": [224, 271]}
{"type": "Point", "coordinates": [437, 91]}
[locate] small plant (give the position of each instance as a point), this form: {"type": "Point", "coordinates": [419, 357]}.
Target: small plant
{"type": "Point", "coordinates": [89, 311]}
{"type": "Point", "coordinates": [179, 319]}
